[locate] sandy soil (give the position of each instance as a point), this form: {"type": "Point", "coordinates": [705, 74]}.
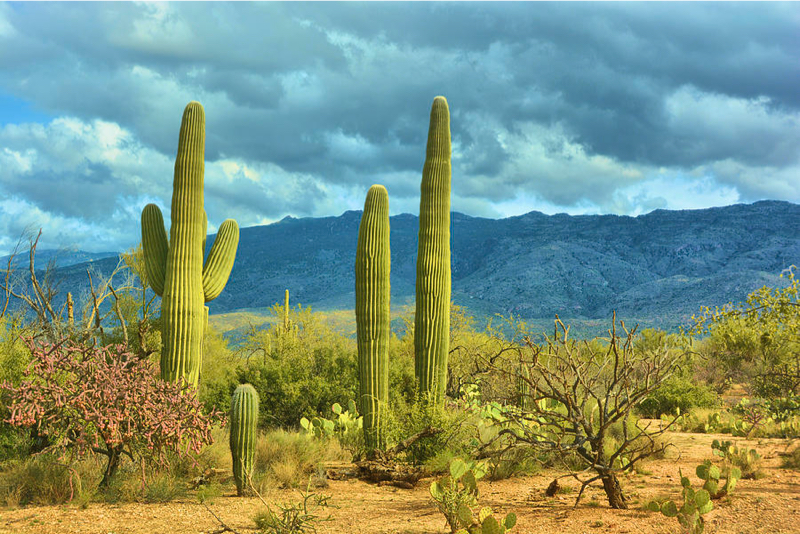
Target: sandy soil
{"type": "Point", "coordinates": [771, 504]}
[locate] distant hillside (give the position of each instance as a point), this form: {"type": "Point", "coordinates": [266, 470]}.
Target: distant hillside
{"type": "Point", "coordinates": [656, 269]}
{"type": "Point", "coordinates": [60, 258]}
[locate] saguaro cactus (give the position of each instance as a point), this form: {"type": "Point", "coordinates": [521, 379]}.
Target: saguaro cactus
{"type": "Point", "coordinates": [373, 263]}
{"type": "Point", "coordinates": [244, 423]}
{"type": "Point", "coordinates": [175, 268]}
{"type": "Point", "coordinates": [432, 321]}
{"type": "Point", "coordinates": [286, 325]}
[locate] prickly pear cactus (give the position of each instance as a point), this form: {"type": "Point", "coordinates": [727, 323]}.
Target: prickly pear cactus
{"type": "Point", "coordinates": [456, 493]}
{"type": "Point", "coordinates": [690, 513]}
{"type": "Point", "coordinates": [432, 319]}
{"type": "Point", "coordinates": [243, 423]}
{"type": "Point", "coordinates": [175, 268]}
{"type": "Point", "coordinates": [373, 264]}
{"type": "Point", "coordinates": [712, 474]}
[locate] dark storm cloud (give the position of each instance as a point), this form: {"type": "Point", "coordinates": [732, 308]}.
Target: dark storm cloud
{"type": "Point", "coordinates": [562, 105]}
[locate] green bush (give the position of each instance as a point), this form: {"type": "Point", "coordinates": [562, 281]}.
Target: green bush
{"type": "Point", "coordinates": [285, 459]}
{"type": "Point", "coordinates": [218, 374]}
{"type": "Point", "coordinates": [14, 358]}
{"type": "Point", "coordinates": [299, 372]}
{"type": "Point", "coordinates": [44, 479]}
{"type": "Point", "coordinates": [15, 442]}
{"type": "Point", "coordinates": [677, 393]}
{"type": "Point", "coordinates": [455, 439]}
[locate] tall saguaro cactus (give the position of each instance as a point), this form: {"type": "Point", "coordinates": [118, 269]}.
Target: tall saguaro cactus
{"type": "Point", "coordinates": [373, 263]}
{"type": "Point", "coordinates": [175, 268]}
{"type": "Point", "coordinates": [432, 321]}
{"type": "Point", "coordinates": [244, 427]}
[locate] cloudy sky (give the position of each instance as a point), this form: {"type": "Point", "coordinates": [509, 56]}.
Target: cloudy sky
{"type": "Point", "coordinates": [578, 108]}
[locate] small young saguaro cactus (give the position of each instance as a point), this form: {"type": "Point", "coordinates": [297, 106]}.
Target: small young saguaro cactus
{"type": "Point", "coordinates": [175, 268]}
{"type": "Point", "coordinates": [286, 323]}
{"type": "Point", "coordinates": [243, 423]}
{"type": "Point", "coordinates": [373, 263]}
{"type": "Point", "coordinates": [432, 319]}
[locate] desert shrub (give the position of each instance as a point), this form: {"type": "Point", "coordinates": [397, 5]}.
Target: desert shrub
{"type": "Point", "coordinates": [455, 439]}
{"type": "Point", "coordinates": [15, 442]}
{"type": "Point", "coordinates": [678, 393]}
{"type": "Point", "coordinates": [402, 382]}
{"type": "Point", "coordinates": [159, 484]}
{"type": "Point", "coordinates": [105, 400]}
{"type": "Point", "coordinates": [44, 479]}
{"type": "Point", "coordinates": [516, 461]}
{"type": "Point", "coordinates": [287, 458]}
{"type": "Point", "coordinates": [682, 390]}
{"type": "Point", "coordinates": [756, 341]}
{"type": "Point", "coordinates": [579, 399]}
{"type": "Point", "coordinates": [299, 372]}
{"type": "Point", "coordinates": [218, 374]}
{"type": "Point", "coordinates": [294, 517]}
{"type": "Point", "coordinates": [14, 358]}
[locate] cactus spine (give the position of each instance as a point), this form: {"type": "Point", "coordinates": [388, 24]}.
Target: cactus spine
{"type": "Point", "coordinates": [373, 263]}
{"type": "Point", "coordinates": [175, 268]}
{"type": "Point", "coordinates": [432, 320]}
{"type": "Point", "coordinates": [244, 422]}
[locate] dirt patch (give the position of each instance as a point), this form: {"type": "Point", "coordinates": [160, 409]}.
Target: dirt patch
{"type": "Point", "coordinates": [770, 504]}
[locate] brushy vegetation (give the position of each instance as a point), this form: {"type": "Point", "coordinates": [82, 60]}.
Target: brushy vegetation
{"type": "Point", "coordinates": [499, 412]}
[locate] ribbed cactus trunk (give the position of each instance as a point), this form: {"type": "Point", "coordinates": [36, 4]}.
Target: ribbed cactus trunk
{"type": "Point", "coordinates": [175, 268]}
{"type": "Point", "coordinates": [432, 320]}
{"type": "Point", "coordinates": [70, 312]}
{"type": "Point", "coordinates": [373, 263]}
{"type": "Point", "coordinates": [286, 325]}
{"type": "Point", "coordinates": [244, 429]}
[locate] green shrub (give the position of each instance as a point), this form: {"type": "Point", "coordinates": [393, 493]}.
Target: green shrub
{"type": "Point", "coordinates": [294, 518]}
{"type": "Point", "coordinates": [15, 442]}
{"type": "Point", "coordinates": [299, 374]}
{"type": "Point", "coordinates": [675, 393]}
{"type": "Point", "coordinates": [43, 480]}
{"type": "Point", "coordinates": [287, 458]}
{"type": "Point", "coordinates": [455, 439]}
{"type": "Point", "coordinates": [14, 358]}
{"type": "Point", "coordinates": [218, 374]}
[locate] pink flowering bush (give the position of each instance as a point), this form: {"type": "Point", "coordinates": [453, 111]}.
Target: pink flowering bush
{"type": "Point", "coordinates": [106, 400]}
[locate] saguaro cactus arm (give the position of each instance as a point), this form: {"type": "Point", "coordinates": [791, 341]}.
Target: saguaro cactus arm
{"type": "Point", "coordinates": [155, 247]}
{"type": "Point", "coordinates": [220, 259]}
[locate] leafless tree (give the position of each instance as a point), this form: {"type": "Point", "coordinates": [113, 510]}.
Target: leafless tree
{"type": "Point", "coordinates": [39, 296]}
{"type": "Point", "coordinates": [577, 399]}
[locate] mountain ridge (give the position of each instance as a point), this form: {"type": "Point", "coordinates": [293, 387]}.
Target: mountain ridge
{"type": "Point", "coordinates": [657, 269]}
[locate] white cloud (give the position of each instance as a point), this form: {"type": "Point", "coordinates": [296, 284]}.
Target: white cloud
{"type": "Point", "coordinates": [7, 29]}
{"type": "Point", "coordinates": [718, 126]}
{"type": "Point", "coordinates": [673, 192]}
{"type": "Point", "coordinates": [309, 104]}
